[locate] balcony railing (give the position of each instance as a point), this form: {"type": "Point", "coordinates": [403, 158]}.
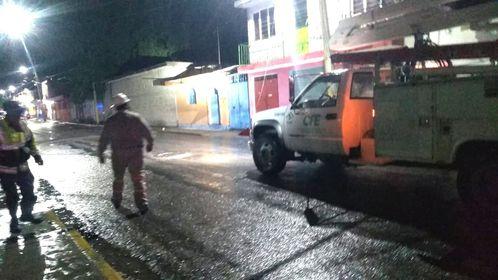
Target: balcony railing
{"type": "Point", "coordinates": [244, 54]}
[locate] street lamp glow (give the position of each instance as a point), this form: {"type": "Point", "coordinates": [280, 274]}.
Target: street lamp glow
{"type": "Point", "coordinates": [12, 88]}
{"type": "Point", "coordinates": [23, 70]}
{"type": "Point", "coordinates": [15, 21]}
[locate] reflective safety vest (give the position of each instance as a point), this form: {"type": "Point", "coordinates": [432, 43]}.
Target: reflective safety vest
{"type": "Point", "coordinates": [15, 147]}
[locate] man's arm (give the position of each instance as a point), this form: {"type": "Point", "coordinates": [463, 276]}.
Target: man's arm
{"type": "Point", "coordinates": [147, 134]}
{"type": "Point", "coordinates": [31, 144]}
{"type": "Point", "coordinates": [104, 140]}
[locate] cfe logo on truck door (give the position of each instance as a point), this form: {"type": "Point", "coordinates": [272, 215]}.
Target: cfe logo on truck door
{"type": "Point", "coordinates": [311, 120]}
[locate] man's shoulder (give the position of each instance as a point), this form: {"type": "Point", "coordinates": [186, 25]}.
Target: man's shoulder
{"type": "Point", "coordinates": [110, 118]}
{"type": "Point", "coordinates": [24, 126]}
{"type": "Point", "coordinates": [122, 116]}
{"type": "Point", "coordinates": [132, 114]}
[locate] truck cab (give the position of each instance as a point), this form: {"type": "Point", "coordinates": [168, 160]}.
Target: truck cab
{"type": "Point", "coordinates": [326, 121]}
{"type": "Point", "coordinates": [331, 115]}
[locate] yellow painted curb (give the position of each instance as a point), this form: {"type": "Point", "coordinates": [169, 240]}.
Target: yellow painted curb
{"type": "Point", "coordinates": [105, 268]}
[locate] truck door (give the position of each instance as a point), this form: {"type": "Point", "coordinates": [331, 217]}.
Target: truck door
{"type": "Point", "coordinates": [404, 121]}
{"type": "Point", "coordinates": [311, 123]}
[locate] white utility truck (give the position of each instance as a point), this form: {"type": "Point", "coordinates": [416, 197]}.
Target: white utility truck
{"type": "Point", "coordinates": [441, 117]}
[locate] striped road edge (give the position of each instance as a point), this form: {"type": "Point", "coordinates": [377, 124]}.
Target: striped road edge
{"type": "Point", "coordinates": [105, 268]}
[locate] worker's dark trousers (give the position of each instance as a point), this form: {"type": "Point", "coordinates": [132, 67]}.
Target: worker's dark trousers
{"type": "Point", "coordinates": [25, 181]}
{"type": "Point", "coordinates": [133, 160]}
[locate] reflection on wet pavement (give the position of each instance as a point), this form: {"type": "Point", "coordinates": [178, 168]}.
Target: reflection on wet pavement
{"type": "Point", "coordinates": [42, 252]}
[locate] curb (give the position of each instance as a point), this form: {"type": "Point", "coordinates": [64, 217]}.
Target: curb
{"type": "Point", "coordinates": [173, 130]}
{"type": "Point", "coordinates": [79, 124]}
{"type": "Point", "coordinates": [107, 271]}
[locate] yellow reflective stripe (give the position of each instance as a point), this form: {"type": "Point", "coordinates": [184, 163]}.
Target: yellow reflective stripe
{"type": "Point", "coordinates": [11, 139]}
{"type": "Point", "coordinates": [105, 268]}
{"type": "Point", "coordinates": [11, 147]}
{"type": "Point", "coordinates": [16, 137]}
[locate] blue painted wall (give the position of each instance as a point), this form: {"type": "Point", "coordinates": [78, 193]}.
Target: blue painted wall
{"type": "Point", "coordinates": [239, 102]}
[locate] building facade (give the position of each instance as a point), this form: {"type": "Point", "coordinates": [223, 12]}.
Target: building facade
{"type": "Point", "coordinates": [285, 42]}
{"type": "Point", "coordinates": [286, 37]}
{"type": "Point", "coordinates": [213, 100]}
{"type": "Point", "coordinates": [150, 99]}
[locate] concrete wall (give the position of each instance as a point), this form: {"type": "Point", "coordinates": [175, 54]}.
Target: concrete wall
{"type": "Point", "coordinates": [191, 114]}
{"type": "Point", "coordinates": [197, 115]}
{"type": "Point", "coordinates": [286, 39]}
{"type": "Point", "coordinates": [155, 103]}
{"type": "Point", "coordinates": [85, 112]}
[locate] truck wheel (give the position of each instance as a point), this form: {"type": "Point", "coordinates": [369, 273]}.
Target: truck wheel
{"type": "Point", "coordinates": [268, 154]}
{"type": "Point", "coordinates": [478, 187]}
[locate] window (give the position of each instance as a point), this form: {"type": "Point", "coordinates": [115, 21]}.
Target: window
{"type": "Point", "coordinates": [321, 93]}
{"type": "Point", "coordinates": [192, 97]}
{"type": "Point", "coordinates": [358, 7]}
{"type": "Point", "coordinates": [256, 26]}
{"type": "Point", "coordinates": [301, 13]}
{"type": "Point", "coordinates": [362, 85]}
{"type": "Point", "coordinates": [271, 13]}
{"type": "Point", "coordinates": [362, 6]}
{"type": "Point", "coordinates": [264, 24]}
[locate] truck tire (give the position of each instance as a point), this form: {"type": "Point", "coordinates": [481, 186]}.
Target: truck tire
{"type": "Point", "coordinates": [478, 187]}
{"type": "Point", "coordinates": [268, 154]}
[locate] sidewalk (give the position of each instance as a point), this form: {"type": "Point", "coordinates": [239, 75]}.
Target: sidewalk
{"type": "Point", "coordinates": [179, 130]}
{"type": "Point", "coordinates": [48, 251]}
{"type": "Point", "coordinates": [198, 132]}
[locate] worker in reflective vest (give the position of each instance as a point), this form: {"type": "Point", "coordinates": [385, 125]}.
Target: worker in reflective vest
{"type": "Point", "coordinates": [16, 146]}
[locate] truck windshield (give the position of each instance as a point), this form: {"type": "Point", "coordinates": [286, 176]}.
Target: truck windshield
{"type": "Point", "coordinates": [321, 93]}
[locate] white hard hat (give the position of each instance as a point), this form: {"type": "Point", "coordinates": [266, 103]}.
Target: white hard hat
{"type": "Point", "coordinates": [120, 99]}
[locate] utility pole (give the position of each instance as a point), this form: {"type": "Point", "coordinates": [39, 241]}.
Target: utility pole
{"type": "Point", "coordinates": [324, 21]}
{"type": "Point", "coordinates": [95, 103]}
{"type": "Point", "coordinates": [219, 48]}
{"type": "Point", "coordinates": [37, 80]}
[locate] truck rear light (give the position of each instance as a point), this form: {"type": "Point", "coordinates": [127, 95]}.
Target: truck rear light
{"type": "Point", "coordinates": [373, 113]}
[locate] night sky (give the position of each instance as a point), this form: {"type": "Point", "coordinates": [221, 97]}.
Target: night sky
{"type": "Point", "coordinates": [93, 40]}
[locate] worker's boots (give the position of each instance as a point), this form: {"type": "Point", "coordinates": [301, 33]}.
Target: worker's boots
{"type": "Point", "coordinates": [27, 215]}
{"type": "Point", "coordinates": [30, 218]}
{"type": "Point", "coordinates": [14, 222]}
{"type": "Point", "coordinates": [14, 226]}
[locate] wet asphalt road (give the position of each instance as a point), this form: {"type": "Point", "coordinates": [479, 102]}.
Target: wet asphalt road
{"type": "Point", "coordinates": [214, 217]}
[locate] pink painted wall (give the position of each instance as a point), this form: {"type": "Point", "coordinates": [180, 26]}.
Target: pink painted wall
{"type": "Point", "coordinates": [283, 82]}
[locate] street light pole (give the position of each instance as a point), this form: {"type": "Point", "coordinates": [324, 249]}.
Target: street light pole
{"type": "Point", "coordinates": [219, 48]}
{"type": "Point", "coordinates": [37, 81]}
